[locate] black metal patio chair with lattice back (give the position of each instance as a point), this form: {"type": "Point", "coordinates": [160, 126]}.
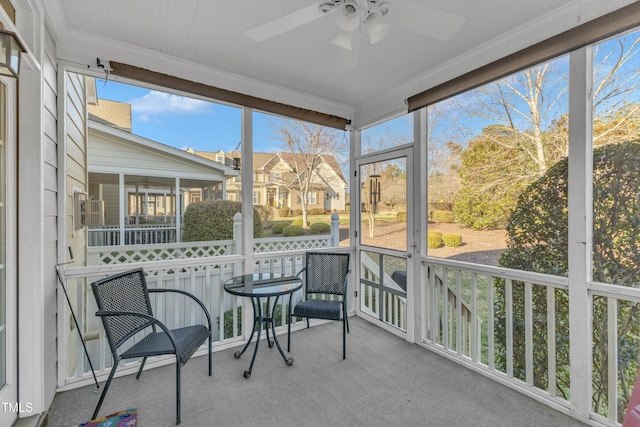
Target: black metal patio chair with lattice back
{"type": "Point", "coordinates": [326, 275]}
{"type": "Point", "coordinates": [125, 309]}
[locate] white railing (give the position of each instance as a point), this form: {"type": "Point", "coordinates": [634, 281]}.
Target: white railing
{"type": "Point", "coordinates": [511, 334]}
{"type": "Point", "coordinates": [615, 329]}
{"type": "Point", "coordinates": [381, 297]}
{"type": "Point", "coordinates": [110, 235]}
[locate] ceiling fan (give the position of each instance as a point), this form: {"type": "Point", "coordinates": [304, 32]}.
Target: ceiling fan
{"type": "Point", "coordinates": [354, 17]}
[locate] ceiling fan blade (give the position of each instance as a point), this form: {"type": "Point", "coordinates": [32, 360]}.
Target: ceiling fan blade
{"type": "Point", "coordinates": [425, 21]}
{"type": "Point", "coordinates": [347, 60]}
{"type": "Point", "coordinates": [287, 22]}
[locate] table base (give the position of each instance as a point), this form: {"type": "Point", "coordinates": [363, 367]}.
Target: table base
{"type": "Point", "coordinates": [258, 321]}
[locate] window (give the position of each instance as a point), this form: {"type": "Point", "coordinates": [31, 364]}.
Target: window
{"type": "Point", "coordinates": [256, 197]}
{"type": "Point", "coordinates": [311, 197]}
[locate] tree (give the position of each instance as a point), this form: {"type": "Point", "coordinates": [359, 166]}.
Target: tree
{"type": "Point", "coordinates": [495, 175]}
{"type": "Point", "coordinates": [530, 109]}
{"type": "Point", "coordinates": [538, 241]}
{"type": "Point", "coordinates": [308, 149]}
{"type": "Point", "coordinates": [393, 180]}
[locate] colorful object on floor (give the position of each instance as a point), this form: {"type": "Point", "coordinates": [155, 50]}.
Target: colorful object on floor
{"type": "Point", "coordinates": [128, 418]}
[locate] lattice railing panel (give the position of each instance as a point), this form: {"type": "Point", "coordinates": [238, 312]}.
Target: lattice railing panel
{"type": "Point", "coordinates": [288, 244]}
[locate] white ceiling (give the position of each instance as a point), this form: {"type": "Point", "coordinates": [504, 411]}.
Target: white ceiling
{"type": "Point", "coordinates": [204, 40]}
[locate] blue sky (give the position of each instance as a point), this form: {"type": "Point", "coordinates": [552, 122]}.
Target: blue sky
{"type": "Point", "coordinates": [183, 122]}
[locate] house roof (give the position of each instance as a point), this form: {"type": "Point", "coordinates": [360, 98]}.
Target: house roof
{"type": "Point", "coordinates": [113, 112]}
{"type": "Point", "coordinates": [266, 161]}
{"type": "Point", "coordinates": [206, 42]}
{"type": "Point", "coordinates": [137, 155]}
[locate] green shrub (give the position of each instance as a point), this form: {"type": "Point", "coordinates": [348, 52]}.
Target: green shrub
{"type": "Point", "coordinates": [279, 226]}
{"type": "Point", "coordinates": [283, 212]}
{"type": "Point", "coordinates": [401, 216]}
{"type": "Point", "coordinates": [297, 212]}
{"type": "Point", "coordinates": [213, 220]}
{"type": "Point", "coordinates": [228, 323]}
{"type": "Point", "coordinates": [317, 211]}
{"type": "Point", "coordinates": [320, 228]}
{"type": "Point", "coordinates": [443, 216]}
{"type": "Point", "coordinates": [434, 239]}
{"type": "Point", "coordinates": [452, 239]}
{"type": "Point", "coordinates": [292, 231]}
{"type": "Point", "coordinates": [297, 222]}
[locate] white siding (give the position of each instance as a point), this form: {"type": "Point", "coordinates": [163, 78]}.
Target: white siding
{"type": "Point", "coordinates": [50, 169]}
{"type": "Point", "coordinates": [76, 181]}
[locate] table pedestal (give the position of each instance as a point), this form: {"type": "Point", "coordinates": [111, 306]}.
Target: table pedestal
{"type": "Point", "coordinates": [258, 321]}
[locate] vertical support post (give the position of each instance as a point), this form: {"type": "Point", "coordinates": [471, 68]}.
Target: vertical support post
{"type": "Point", "coordinates": [580, 226]}
{"type": "Point", "coordinates": [247, 210]}
{"type": "Point", "coordinates": [416, 227]}
{"type": "Point", "coordinates": [335, 229]}
{"type": "Point", "coordinates": [179, 204]}
{"type": "Point", "coordinates": [122, 196]}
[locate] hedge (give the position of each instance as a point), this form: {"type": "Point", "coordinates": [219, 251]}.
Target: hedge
{"type": "Point", "coordinates": [452, 239]}
{"type": "Point", "coordinates": [443, 216]}
{"type": "Point", "coordinates": [283, 212]}
{"type": "Point", "coordinates": [297, 222]}
{"type": "Point", "coordinates": [292, 231]}
{"type": "Point", "coordinates": [320, 228]}
{"type": "Point", "coordinates": [279, 226]}
{"type": "Point", "coordinates": [210, 220]}
{"type": "Point", "coordinates": [317, 211]}
{"type": "Point", "coordinates": [434, 239]}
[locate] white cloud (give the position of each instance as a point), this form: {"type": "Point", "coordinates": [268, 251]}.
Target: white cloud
{"type": "Point", "coordinates": [160, 103]}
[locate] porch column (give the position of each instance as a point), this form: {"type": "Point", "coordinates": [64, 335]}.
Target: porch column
{"type": "Point", "coordinates": [580, 226]}
{"type": "Point", "coordinates": [416, 273]}
{"type": "Point", "coordinates": [246, 191]}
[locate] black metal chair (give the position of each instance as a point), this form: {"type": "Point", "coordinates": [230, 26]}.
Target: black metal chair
{"type": "Point", "coordinates": [125, 309]}
{"type": "Point", "coordinates": [325, 274]}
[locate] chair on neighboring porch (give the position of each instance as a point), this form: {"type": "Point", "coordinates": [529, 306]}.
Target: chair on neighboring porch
{"type": "Point", "coordinates": [326, 275]}
{"type": "Point", "coordinates": [125, 309]}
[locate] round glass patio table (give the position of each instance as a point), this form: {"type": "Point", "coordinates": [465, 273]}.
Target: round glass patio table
{"type": "Point", "coordinates": [258, 287]}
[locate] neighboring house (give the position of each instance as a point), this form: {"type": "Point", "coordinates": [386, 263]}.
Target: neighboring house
{"type": "Point", "coordinates": [145, 185]}
{"type": "Point", "coordinates": [274, 182]}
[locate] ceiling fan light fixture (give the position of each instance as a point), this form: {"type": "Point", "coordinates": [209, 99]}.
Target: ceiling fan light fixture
{"type": "Point", "coordinates": [344, 40]}
{"type": "Point", "coordinates": [348, 17]}
{"type": "Point", "coordinates": [376, 28]}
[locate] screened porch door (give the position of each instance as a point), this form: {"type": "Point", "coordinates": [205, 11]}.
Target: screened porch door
{"type": "Point", "coordinates": [383, 241]}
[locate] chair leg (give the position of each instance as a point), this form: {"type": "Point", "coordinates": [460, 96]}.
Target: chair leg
{"type": "Point", "coordinates": [210, 356]}
{"type": "Point", "coordinates": [141, 366]}
{"type": "Point", "coordinates": [177, 390]}
{"type": "Point", "coordinates": [344, 337]}
{"type": "Point", "coordinates": [347, 319]}
{"type": "Point", "coordinates": [289, 333]}
{"type": "Point", "coordinates": [104, 390]}
{"type": "Point", "coordinates": [307, 323]}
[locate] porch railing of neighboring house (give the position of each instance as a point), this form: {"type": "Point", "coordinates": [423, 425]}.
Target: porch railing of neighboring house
{"type": "Point", "coordinates": [141, 234]}
{"type": "Point", "coordinates": [197, 267]}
